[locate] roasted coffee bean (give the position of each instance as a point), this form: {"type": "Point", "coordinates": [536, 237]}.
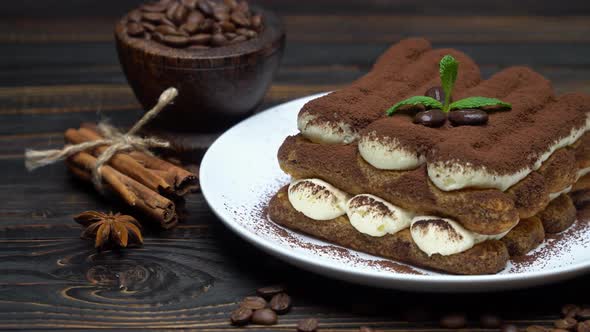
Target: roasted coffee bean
{"type": "Point", "coordinates": [156, 7]}
{"type": "Point", "coordinates": [269, 291]}
{"type": "Point", "coordinates": [256, 22]}
{"type": "Point", "coordinates": [230, 35]}
{"type": "Point", "coordinates": [205, 7]}
{"type": "Point", "coordinates": [189, 3]}
{"type": "Point", "coordinates": [175, 41]}
{"type": "Point", "coordinates": [280, 303]}
{"type": "Point", "coordinates": [148, 26]}
{"type": "Point", "coordinates": [180, 15]}
{"type": "Point", "coordinates": [243, 7]}
{"type": "Point", "coordinates": [217, 28]}
{"type": "Point", "coordinates": [240, 18]}
{"type": "Point", "coordinates": [246, 32]}
{"type": "Point", "coordinates": [468, 117]}
{"type": "Point", "coordinates": [307, 325]}
{"type": "Point", "coordinates": [238, 39]}
{"type": "Point", "coordinates": [231, 3]}
{"type": "Point", "coordinates": [433, 118]}
{"type": "Point", "coordinates": [207, 25]}
{"type": "Point", "coordinates": [135, 29]}
{"type": "Point", "coordinates": [190, 28]}
{"type": "Point", "coordinates": [264, 317]}
{"type": "Point", "coordinates": [167, 30]}
{"type": "Point", "coordinates": [583, 314]}
{"type": "Point", "coordinates": [153, 17]}
{"type": "Point", "coordinates": [509, 328]}
{"type": "Point", "coordinates": [253, 302]}
{"type": "Point", "coordinates": [366, 329]}
{"type": "Point", "coordinates": [218, 40]}
{"type": "Point", "coordinates": [437, 93]}
{"type": "Point", "coordinates": [195, 17]}
{"type": "Point", "coordinates": [221, 15]}
{"type": "Point", "coordinates": [583, 326]}
{"type": "Point", "coordinates": [134, 16]}
{"type": "Point", "coordinates": [227, 26]}
{"type": "Point", "coordinates": [171, 9]}
{"type": "Point", "coordinates": [241, 316]}
{"type": "Point", "coordinates": [453, 321]}
{"type": "Point", "coordinates": [569, 310]}
{"type": "Point", "coordinates": [566, 323]}
{"type": "Point", "coordinates": [536, 328]}
{"type": "Point", "coordinates": [490, 321]}
{"type": "Point", "coordinates": [200, 39]}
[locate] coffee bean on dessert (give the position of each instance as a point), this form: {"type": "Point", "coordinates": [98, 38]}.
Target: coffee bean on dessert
{"type": "Point", "coordinates": [307, 325]}
{"type": "Point", "coordinates": [281, 303]}
{"type": "Point", "coordinates": [509, 328]}
{"type": "Point", "coordinates": [566, 323]}
{"type": "Point", "coordinates": [135, 29]}
{"type": "Point", "coordinates": [569, 310]}
{"type": "Point", "coordinates": [218, 40]}
{"type": "Point", "coordinates": [490, 321]}
{"type": "Point", "coordinates": [468, 117]}
{"type": "Point", "coordinates": [437, 93]}
{"type": "Point", "coordinates": [264, 317]}
{"type": "Point", "coordinates": [241, 316]}
{"type": "Point", "coordinates": [583, 314]}
{"type": "Point", "coordinates": [432, 118]}
{"type": "Point", "coordinates": [453, 321]}
{"type": "Point", "coordinates": [253, 302]}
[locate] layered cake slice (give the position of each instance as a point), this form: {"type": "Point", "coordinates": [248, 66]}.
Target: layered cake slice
{"type": "Point", "coordinates": [457, 190]}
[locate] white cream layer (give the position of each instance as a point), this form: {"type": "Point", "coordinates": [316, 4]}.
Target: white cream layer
{"type": "Point", "coordinates": [317, 199]}
{"type": "Point", "coordinates": [452, 175]}
{"type": "Point", "coordinates": [373, 216]}
{"type": "Point", "coordinates": [553, 196]}
{"type": "Point", "coordinates": [435, 235]}
{"type": "Point", "coordinates": [325, 132]}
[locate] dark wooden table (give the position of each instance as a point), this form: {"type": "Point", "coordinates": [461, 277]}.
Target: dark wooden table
{"type": "Point", "coordinates": [58, 67]}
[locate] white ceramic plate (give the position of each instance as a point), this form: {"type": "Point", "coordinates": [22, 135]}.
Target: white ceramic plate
{"type": "Point", "coordinates": [240, 173]}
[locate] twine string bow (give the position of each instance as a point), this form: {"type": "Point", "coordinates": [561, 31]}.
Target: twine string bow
{"type": "Point", "coordinates": [117, 141]}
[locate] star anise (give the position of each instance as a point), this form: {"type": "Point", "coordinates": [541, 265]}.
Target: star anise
{"type": "Point", "coordinates": [110, 229]}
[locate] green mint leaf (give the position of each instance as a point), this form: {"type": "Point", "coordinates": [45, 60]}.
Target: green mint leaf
{"type": "Point", "coordinates": [449, 69]}
{"type": "Point", "coordinates": [428, 102]}
{"type": "Point", "coordinates": [478, 102]}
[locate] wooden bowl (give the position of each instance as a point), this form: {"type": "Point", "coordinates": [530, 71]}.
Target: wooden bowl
{"type": "Point", "coordinates": [217, 86]}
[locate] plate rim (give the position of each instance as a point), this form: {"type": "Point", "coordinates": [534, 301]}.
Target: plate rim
{"type": "Point", "coordinates": [284, 252]}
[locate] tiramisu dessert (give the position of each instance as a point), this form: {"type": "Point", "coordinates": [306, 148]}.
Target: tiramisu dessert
{"type": "Point", "coordinates": [423, 162]}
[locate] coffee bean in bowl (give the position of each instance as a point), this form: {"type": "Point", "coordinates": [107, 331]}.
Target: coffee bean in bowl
{"type": "Point", "coordinates": [220, 55]}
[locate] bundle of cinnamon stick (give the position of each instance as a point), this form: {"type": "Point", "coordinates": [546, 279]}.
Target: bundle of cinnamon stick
{"type": "Point", "coordinates": [153, 186]}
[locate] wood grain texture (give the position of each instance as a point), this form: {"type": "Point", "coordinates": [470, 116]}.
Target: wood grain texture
{"type": "Point", "coordinates": [53, 76]}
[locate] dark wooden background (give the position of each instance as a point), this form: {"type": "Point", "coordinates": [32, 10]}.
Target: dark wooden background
{"type": "Point", "coordinates": [58, 67]}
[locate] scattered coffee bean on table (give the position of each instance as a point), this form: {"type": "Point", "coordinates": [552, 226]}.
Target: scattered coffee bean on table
{"type": "Point", "coordinates": [253, 302]}
{"type": "Point", "coordinates": [509, 328]}
{"type": "Point", "coordinates": [453, 321]}
{"type": "Point", "coordinates": [431, 118]}
{"type": "Point", "coordinates": [468, 117]}
{"type": "Point", "coordinates": [264, 317]}
{"type": "Point", "coordinates": [241, 316]}
{"type": "Point", "coordinates": [490, 321]}
{"type": "Point", "coordinates": [566, 323]}
{"type": "Point", "coordinates": [307, 325]}
{"type": "Point", "coordinates": [280, 303]}
{"type": "Point", "coordinates": [176, 22]}
{"type": "Point", "coordinates": [270, 291]}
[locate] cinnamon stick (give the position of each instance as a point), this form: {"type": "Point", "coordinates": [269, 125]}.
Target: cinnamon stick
{"type": "Point", "coordinates": [135, 194]}
{"type": "Point", "coordinates": [179, 179]}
